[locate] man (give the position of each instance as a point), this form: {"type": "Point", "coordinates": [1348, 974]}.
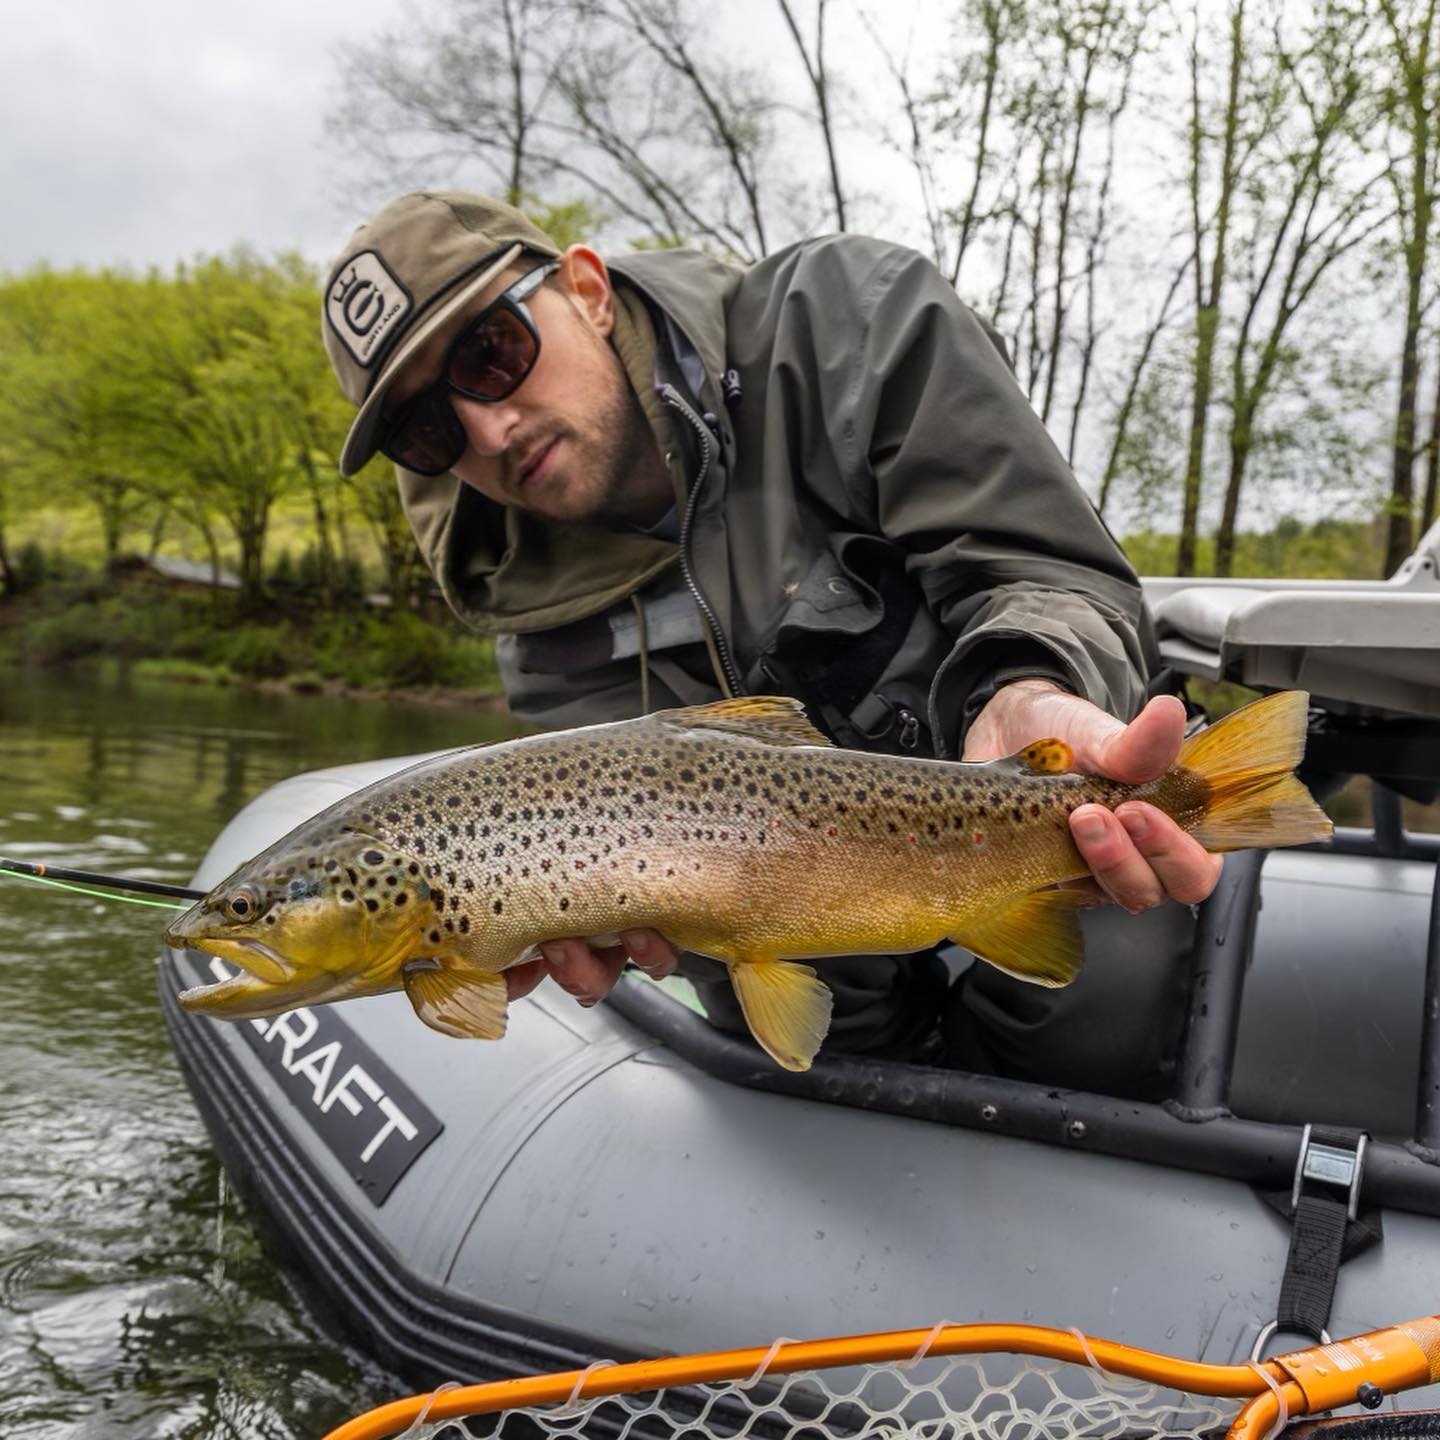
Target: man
{"type": "Point", "coordinates": [671, 479]}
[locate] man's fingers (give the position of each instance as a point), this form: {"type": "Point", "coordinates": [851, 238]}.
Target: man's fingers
{"type": "Point", "coordinates": [651, 952]}
{"type": "Point", "coordinates": [1141, 857]}
{"type": "Point", "coordinates": [1186, 870]}
{"type": "Point", "coordinates": [1146, 747]}
{"type": "Point", "coordinates": [520, 980]}
{"type": "Point", "coordinates": [1107, 849]}
{"type": "Point", "coordinates": [580, 971]}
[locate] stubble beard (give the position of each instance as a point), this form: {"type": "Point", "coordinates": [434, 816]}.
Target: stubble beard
{"type": "Point", "coordinates": [627, 484]}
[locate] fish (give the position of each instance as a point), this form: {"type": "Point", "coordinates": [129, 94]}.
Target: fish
{"type": "Point", "coordinates": [735, 829]}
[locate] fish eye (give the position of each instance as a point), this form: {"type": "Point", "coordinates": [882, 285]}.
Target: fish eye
{"type": "Point", "coordinates": [244, 904]}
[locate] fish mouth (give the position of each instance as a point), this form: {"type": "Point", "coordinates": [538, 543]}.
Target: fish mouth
{"type": "Point", "coordinates": [254, 957]}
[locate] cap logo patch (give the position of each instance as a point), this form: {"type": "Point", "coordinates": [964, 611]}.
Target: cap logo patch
{"type": "Point", "coordinates": [364, 304]}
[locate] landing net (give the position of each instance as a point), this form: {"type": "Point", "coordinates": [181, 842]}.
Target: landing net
{"type": "Point", "coordinates": [954, 1382]}
{"type": "Point", "coordinates": [946, 1399]}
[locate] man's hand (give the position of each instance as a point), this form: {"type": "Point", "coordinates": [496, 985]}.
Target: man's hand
{"type": "Point", "coordinates": [589, 972]}
{"type": "Point", "coordinates": [1139, 856]}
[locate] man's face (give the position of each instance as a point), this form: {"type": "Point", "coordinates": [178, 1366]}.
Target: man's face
{"type": "Point", "coordinates": [570, 442]}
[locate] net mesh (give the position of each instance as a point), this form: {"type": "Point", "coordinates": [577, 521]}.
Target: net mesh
{"type": "Point", "coordinates": [988, 1397]}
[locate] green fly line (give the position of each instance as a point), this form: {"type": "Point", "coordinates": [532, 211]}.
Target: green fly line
{"type": "Point", "coordinates": [99, 894]}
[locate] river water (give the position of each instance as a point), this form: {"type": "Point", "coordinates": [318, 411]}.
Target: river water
{"type": "Point", "coordinates": [136, 1300]}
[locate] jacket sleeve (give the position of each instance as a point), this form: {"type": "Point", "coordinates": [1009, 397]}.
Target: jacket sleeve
{"type": "Point", "coordinates": [933, 431]}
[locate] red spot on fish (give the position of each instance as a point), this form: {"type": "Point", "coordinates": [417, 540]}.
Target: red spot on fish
{"type": "Point", "coordinates": [911, 840]}
{"type": "Point", "coordinates": [831, 830]}
{"type": "Point", "coordinates": [978, 836]}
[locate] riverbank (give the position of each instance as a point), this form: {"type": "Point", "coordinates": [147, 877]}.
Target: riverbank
{"type": "Point", "coordinates": [140, 623]}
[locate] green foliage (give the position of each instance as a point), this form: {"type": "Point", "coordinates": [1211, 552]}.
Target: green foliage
{"type": "Point", "coordinates": [1326, 550]}
{"type": "Point", "coordinates": [202, 397]}
{"type": "Point", "coordinates": [31, 569]}
{"type": "Point", "coordinates": [209, 636]}
{"type": "Point", "coordinates": [258, 652]}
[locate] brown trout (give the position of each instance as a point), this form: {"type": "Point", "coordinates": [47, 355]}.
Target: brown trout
{"type": "Point", "coordinates": [734, 829]}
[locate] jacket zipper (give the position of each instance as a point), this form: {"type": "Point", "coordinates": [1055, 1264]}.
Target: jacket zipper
{"type": "Point", "coordinates": [672, 397]}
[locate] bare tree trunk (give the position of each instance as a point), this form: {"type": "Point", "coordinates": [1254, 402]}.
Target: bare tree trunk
{"type": "Point", "coordinates": [324, 543]}
{"type": "Point", "coordinates": [1432, 461]}
{"type": "Point", "coordinates": [1208, 300]}
{"type": "Point", "coordinates": [1132, 389]}
{"type": "Point", "coordinates": [1400, 514]}
{"type": "Point", "coordinates": [157, 531]}
{"type": "Point", "coordinates": [1062, 223]}
{"type": "Point", "coordinates": [1412, 46]}
{"type": "Point", "coordinates": [819, 84]}
{"type": "Point", "coordinates": [7, 568]}
{"type": "Point", "coordinates": [993, 19]}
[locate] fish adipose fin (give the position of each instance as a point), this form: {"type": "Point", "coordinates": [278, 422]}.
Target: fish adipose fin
{"type": "Point", "coordinates": [1046, 757]}
{"type": "Point", "coordinates": [1035, 938]}
{"type": "Point", "coordinates": [1246, 760]}
{"type": "Point", "coordinates": [776, 719]}
{"type": "Point", "coordinates": [787, 1007]}
{"type": "Point", "coordinates": [463, 1003]}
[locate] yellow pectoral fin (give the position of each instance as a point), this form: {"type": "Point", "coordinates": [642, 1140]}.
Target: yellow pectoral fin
{"type": "Point", "coordinates": [463, 1003]}
{"type": "Point", "coordinates": [787, 1007]}
{"type": "Point", "coordinates": [1035, 938]}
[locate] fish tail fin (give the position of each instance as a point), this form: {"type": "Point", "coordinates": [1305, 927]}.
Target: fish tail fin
{"type": "Point", "coordinates": [1247, 760]}
{"type": "Point", "coordinates": [787, 1007]}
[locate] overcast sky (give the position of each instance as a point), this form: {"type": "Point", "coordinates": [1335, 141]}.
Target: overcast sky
{"type": "Point", "coordinates": [152, 130]}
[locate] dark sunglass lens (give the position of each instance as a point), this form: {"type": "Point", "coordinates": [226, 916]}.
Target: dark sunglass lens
{"type": "Point", "coordinates": [429, 439]}
{"type": "Point", "coordinates": [494, 357]}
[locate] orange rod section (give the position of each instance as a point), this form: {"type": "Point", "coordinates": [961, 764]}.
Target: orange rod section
{"type": "Point", "coordinates": [644, 1375]}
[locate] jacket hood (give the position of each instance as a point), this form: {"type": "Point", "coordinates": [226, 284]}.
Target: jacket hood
{"type": "Point", "coordinates": [505, 571]}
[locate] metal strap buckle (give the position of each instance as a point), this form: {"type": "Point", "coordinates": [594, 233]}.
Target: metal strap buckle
{"type": "Point", "coordinates": [1330, 1165]}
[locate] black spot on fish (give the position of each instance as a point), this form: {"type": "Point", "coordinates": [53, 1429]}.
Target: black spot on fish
{"type": "Point", "coordinates": [564, 904]}
{"type": "Point", "coordinates": [331, 865]}
{"type": "Point", "coordinates": [372, 906]}
{"type": "Point", "coordinates": [401, 898]}
{"type": "Point", "coordinates": [372, 857]}
{"type": "Point", "coordinates": [347, 895]}
{"type": "Point", "coordinates": [434, 937]}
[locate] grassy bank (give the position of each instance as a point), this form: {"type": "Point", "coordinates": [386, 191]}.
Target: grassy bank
{"type": "Point", "coordinates": [205, 636]}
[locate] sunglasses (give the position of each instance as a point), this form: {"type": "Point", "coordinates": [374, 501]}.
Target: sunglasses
{"type": "Point", "coordinates": [486, 361]}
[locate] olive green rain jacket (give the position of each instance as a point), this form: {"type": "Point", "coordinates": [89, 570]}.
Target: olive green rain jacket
{"type": "Point", "coordinates": [874, 520]}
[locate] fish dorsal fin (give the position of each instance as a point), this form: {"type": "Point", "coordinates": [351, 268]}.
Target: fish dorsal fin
{"type": "Point", "coordinates": [1045, 757]}
{"type": "Point", "coordinates": [775, 719]}
{"type": "Point", "coordinates": [1034, 938]}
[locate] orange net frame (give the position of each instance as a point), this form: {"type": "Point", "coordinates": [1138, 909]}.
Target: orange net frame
{"type": "Point", "coordinates": [663, 1400]}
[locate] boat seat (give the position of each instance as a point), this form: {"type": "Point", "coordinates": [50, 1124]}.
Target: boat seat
{"type": "Point", "coordinates": [1365, 646]}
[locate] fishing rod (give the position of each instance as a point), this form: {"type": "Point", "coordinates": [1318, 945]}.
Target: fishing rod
{"type": "Point", "coordinates": [76, 879]}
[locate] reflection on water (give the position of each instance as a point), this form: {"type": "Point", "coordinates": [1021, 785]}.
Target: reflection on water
{"type": "Point", "coordinates": [128, 1310]}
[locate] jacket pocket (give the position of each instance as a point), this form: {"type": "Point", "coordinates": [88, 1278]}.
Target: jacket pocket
{"type": "Point", "coordinates": [856, 644]}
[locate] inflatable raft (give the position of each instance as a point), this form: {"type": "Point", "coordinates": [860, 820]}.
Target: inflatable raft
{"type": "Point", "coordinates": [627, 1181]}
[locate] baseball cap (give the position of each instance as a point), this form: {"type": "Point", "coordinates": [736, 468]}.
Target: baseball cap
{"type": "Point", "coordinates": [404, 273]}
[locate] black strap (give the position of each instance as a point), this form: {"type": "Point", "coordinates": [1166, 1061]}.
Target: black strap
{"type": "Point", "coordinates": [1317, 1245]}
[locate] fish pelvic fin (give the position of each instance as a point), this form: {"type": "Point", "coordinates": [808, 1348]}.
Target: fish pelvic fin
{"type": "Point", "coordinates": [775, 719]}
{"type": "Point", "coordinates": [787, 1007]}
{"type": "Point", "coordinates": [1247, 759]}
{"type": "Point", "coordinates": [1035, 938]}
{"type": "Point", "coordinates": [467, 1004]}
